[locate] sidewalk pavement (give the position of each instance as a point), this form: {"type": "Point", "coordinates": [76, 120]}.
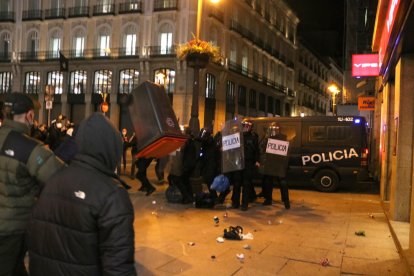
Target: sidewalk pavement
{"type": "Point", "coordinates": [317, 236]}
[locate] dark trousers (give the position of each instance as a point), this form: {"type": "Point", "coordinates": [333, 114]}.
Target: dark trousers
{"type": "Point", "coordinates": [160, 167]}
{"type": "Point", "coordinates": [12, 252]}
{"type": "Point", "coordinates": [268, 181]}
{"type": "Point", "coordinates": [124, 153]}
{"type": "Point", "coordinates": [142, 165]}
{"type": "Point", "coordinates": [186, 190]}
{"type": "Point", "coordinates": [242, 182]}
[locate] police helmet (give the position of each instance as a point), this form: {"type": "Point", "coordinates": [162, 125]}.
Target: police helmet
{"type": "Point", "coordinates": [204, 133]}
{"type": "Point", "coordinates": [274, 128]}
{"type": "Point", "coordinates": [247, 125]}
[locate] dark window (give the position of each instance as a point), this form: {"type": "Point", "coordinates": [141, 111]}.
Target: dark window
{"type": "Point", "coordinates": [128, 80]}
{"type": "Point", "coordinates": [77, 83]}
{"type": "Point", "coordinates": [262, 102]}
{"type": "Point", "coordinates": [32, 83]}
{"type": "Point", "coordinates": [252, 99]}
{"type": "Point", "coordinates": [166, 78]}
{"type": "Point", "coordinates": [277, 108]}
{"type": "Point", "coordinates": [242, 95]}
{"type": "Point", "coordinates": [317, 133]}
{"type": "Point", "coordinates": [338, 133]}
{"type": "Point", "coordinates": [102, 82]}
{"type": "Point", "coordinates": [329, 133]}
{"type": "Point", "coordinates": [210, 86]}
{"type": "Point", "coordinates": [55, 79]}
{"type": "Point", "coordinates": [270, 105]}
{"type": "Point", "coordinates": [230, 92]}
{"type": "Point", "coordinates": [5, 82]}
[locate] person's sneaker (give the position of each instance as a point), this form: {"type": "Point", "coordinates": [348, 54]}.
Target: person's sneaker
{"type": "Point", "coordinates": [267, 202]}
{"type": "Point", "coordinates": [287, 205]}
{"type": "Point", "coordinates": [150, 191]}
{"type": "Point", "coordinates": [244, 208]}
{"type": "Point", "coordinates": [162, 181]}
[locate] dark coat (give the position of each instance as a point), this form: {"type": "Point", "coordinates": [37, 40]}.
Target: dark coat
{"type": "Point", "coordinates": [209, 160]}
{"type": "Point", "coordinates": [83, 221]}
{"type": "Point", "coordinates": [25, 165]}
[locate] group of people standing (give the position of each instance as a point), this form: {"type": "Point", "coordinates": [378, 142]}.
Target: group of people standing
{"type": "Point", "coordinates": [74, 218]}
{"type": "Point", "coordinates": [201, 158]}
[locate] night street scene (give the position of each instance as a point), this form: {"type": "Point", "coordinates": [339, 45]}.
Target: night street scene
{"type": "Point", "coordinates": [206, 137]}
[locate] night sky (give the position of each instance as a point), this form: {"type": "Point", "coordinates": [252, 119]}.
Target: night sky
{"type": "Point", "coordinates": [321, 25]}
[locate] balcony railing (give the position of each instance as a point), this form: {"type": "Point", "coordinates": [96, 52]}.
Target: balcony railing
{"type": "Point", "coordinates": [79, 11]}
{"type": "Point", "coordinates": [104, 9]}
{"type": "Point", "coordinates": [165, 5]}
{"type": "Point", "coordinates": [55, 13]}
{"type": "Point", "coordinates": [7, 16]}
{"type": "Point", "coordinates": [32, 15]}
{"type": "Point", "coordinates": [29, 56]}
{"type": "Point", "coordinates": [155, 51]}
{"type": "Point", "coordinates": [130, 7]}
{"type": "Point", "coordinates": [128, 52]}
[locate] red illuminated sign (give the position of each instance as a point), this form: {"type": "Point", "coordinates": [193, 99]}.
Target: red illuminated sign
{"type": "Point", "coordinates": [386, 31]}
{"type": "Point", "coordinates": [365, 65]}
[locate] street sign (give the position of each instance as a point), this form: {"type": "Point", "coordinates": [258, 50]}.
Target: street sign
{"type": "Point", "coordinates": [49, 105]}
{"type": "Point", "coordinates": [366, 103]}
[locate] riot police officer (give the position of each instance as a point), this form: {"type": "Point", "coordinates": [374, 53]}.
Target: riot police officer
{"type": "Point", "coordinates": [243, 180]}
{"type": "Point", "coordinates": [274, 164]}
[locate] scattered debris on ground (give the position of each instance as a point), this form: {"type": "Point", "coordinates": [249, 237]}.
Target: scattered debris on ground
{"type": "Point", "coordinates": [360, 233]}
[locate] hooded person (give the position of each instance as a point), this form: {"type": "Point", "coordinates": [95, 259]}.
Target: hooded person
{"type": "Point", "coordinates": [83, 221]}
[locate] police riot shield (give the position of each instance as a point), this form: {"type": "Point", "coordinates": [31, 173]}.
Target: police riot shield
{"type": "Point", "coordinates": [274, 157]}
{"type": "Point", "coordinates": [232, 155]}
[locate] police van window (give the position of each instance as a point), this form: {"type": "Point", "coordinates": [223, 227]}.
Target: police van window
{"type": "Point", "coordinates": [317, 133]}
{"type": "Point", "coordinates": [329, 133]}
{"type": "Point", "coordinates": [339, 133]}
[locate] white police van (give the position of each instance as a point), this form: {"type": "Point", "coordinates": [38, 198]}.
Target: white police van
{"type": "Point", "coordinates": [327, 151]}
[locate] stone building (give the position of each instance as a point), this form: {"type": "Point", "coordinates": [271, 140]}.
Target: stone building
{"type": "Point", "coordinates": [112, 46]}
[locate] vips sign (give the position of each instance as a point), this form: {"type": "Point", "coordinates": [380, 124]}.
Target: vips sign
{"type": "Point", "coordinates": [277, 147]}
{"type": "Point", "coordinates": [231, 141]}
{"type": "Point", "coordinates": [366, 103]}
{"type": "Point", "coordinates": [365, 65]}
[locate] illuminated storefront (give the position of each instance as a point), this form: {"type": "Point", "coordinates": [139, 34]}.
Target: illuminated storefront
{"type": "Point", "coordinates": [394, 129]}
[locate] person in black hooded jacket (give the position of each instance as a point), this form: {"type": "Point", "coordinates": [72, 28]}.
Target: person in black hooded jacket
{"type": "Point", "coordinates": [83, 221]}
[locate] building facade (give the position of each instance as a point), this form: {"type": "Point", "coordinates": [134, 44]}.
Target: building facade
{"type": "Point", "coordinates": [108, 47]}
{"type": "Point", "coordinates": [394, 113]}
{"type": "Point", "coordinates": [314, 75]}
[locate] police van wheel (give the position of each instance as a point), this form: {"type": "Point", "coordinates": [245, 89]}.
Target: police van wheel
{"type": "Point", "coordinates": [326, 181]}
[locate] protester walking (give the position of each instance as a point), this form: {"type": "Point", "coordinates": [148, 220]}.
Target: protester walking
{"type": "Point", "coordinates": [25, 165]}
{"type": "Point", "coordinates": [83, 221]}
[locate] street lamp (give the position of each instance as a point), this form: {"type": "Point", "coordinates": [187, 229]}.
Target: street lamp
{"type": "Point", "coordinates": [333, 88]}
{"type": "Point", "coordinates": [194, 123]}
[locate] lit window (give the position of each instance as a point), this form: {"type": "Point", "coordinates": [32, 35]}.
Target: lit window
{"type": "Point", "coordinates": [128, 80]}
{"type": "Point", "coordinates": [130, 44]}
{"type": "Point", "coordinates": [166, 78]}
{"type": "Point", "coordinates": [55, 79]}
{"type": "Point", "coordinates": [77, 82]}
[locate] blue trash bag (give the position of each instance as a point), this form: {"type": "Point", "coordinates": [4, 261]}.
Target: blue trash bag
{"type": "Point", "coordinates": [220, 183]}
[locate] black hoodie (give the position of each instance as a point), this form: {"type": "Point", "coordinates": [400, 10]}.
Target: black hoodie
{"type": "Point", "coordinates": [83, 222]}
